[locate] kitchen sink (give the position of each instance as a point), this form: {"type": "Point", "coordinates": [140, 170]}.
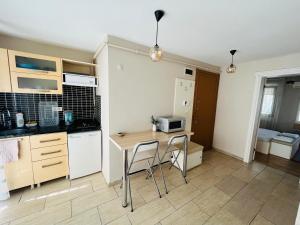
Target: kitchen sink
{"type": "Point", "coordinates": [14, 132]}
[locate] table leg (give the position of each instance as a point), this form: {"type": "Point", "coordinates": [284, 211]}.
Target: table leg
{"type": "Point", "coordinates": [125, 178]}
{"type": "Point", "coordinates": [185, 157]}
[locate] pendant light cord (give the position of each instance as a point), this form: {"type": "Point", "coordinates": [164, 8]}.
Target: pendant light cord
{"type": "Point", "coordinates": [156, 32]}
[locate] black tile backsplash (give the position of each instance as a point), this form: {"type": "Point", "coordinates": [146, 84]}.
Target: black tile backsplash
{"type": "Point", "coordinates": [81, 100]}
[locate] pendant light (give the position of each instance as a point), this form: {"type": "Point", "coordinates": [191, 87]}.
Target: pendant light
{"type": "Point", "coordinates": [156, 52]}
{"type": "Point", "coordinates": [231, 68]}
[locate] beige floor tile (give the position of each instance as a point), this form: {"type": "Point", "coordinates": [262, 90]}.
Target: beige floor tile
{"type": "Point", "coordinates": [245, 173]}
{"type": "Point", "coordinates": [257, 189]}
{"type": "Point", "coordinates": [112, 210]}
{"type": "Point", "coordinates": [291, 180]}
{"type": "Point", "coordinates": [149, 192]}
{"type": "Point", "coordinates": [211, 201]}
{"type": "Point", "coordinates": [222, 171]}
{"type": "Point", "coordinates": [230, 185]}
{"type": "Point", "coordinates": [47, 189]}
{"type": "Point", "coordinates": [69, 193]}
{"type": "Point", "coordinates": [183, 194]}
{"type": "Point", "coordinates": [152, 212]}
{"type": "Point", "coordinates": [49, 216]}
{"type": "Point", "coordinates": [90, 217]}
{"type": "Point", "coordinates": [288, 192]}
{"type": "Point", "coordinates": [121, 221]}
{"type": "Point", "coordinates": [245, 209]}
{"type": "Point", "coordinates": [224, 218]}
{"type": "Point", "coordinates": [204, 167]}
{"type": "Point", "coordinates": [256, 166]}
{"type": "Point", "coordinates": [259, 220]}
{"type": "Point", "coordinates": [189, 214]}
{"type": "Point", "coordinates": [270, 176]}
{"type": "Point", "coordinates": [92, 200]}
{"type": "Point", "coordinates": [278, 211]}
{"type": "Point", "coordinates": [205, 181]}
{"type": "Point", "coordinates": [234, 163]}
{"type": "Point", "coordinates": [176, 179]}
{"type": "Point", "coordinates": [15, 197]}
{"type": "Point", "coordinates": [9, 213]}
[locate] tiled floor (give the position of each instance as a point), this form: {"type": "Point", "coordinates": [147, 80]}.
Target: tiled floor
{"type": "Point", "coordinates": [221, 191]}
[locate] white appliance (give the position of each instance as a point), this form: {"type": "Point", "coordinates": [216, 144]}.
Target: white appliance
{"type": "Point", "coordinates": [84, 153]}
{"type": "Point", "coordinates": [79, 80]}
{"type": "Point", "coordinates": [170, 124]}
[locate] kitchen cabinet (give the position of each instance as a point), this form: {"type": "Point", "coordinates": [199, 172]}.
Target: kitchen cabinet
{"type": "Point", "coordinates": [36, 83]}
{"type": "Point", "coordinates": [5, 85]}
{"type": "Point", "coordinates": [23, 62]}
{"type": "Point", "coordinates": [50, 156]}
{"type": "Point", "coordinates": [19, 173]}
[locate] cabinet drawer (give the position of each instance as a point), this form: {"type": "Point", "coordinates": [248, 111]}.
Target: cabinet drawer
{"type": "Point", "coordinates": [45, 140]}
{"type": "Point", "coordinates": [49, 152]}
{"type": "Point", "coordinates": [49, 169]}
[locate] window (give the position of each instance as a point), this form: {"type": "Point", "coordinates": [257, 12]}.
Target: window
{"type": "Point", "coordinates": [268, 101]}
{"type": "Point", "coordinates": [298, 115]}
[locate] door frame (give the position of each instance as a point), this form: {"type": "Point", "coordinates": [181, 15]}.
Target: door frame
{"type": "Point", "coordinates": [260, 77]}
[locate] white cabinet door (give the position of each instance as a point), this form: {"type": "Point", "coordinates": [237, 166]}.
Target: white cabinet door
{"type": "Point", "coordinates": [84, 153]}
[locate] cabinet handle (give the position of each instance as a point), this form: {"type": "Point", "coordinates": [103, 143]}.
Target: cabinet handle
{"type": "Point", "coordinates": [43, 90]}
{"type": "Point", "coordinates": [53, 164]}
{"type": "Point", "coordinates": [50, 140]}
{"type": "Point", "coordinates": [49, 153]}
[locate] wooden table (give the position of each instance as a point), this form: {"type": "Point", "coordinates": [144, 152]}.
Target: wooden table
{"type": "Point", "coordinates": [129, 140]}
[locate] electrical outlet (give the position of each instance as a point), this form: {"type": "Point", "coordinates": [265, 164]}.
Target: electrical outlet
{"type": "Point", "coordinates": [57, 109]}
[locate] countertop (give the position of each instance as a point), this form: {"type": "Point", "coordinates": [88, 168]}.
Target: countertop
{"type": "Point", "coordinates": [43, 130]}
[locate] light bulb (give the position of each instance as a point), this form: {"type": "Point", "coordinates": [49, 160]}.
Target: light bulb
{"type": "Point", "coordinates": [155, 53]}
{"type": "Point", "coordinates": [231, 68]}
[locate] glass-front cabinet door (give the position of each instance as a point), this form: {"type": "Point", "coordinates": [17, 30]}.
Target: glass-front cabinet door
{"type": "Point", "coordinates": [36, 83]}
{"type": "Point", "coordinates": [34, 64]}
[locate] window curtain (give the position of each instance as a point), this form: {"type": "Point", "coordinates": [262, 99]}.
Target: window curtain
{"type": "Point", "coordinates": [271, 105]}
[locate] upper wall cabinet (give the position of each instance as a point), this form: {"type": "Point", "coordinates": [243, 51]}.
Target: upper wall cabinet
{"type": "Point", "coordinates": [23, 62]}
{"type": "Point", "coordinates": [5, 85]}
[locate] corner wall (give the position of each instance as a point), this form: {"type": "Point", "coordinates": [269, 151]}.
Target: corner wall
{"type": "Point", "coordinates": [235, 102]}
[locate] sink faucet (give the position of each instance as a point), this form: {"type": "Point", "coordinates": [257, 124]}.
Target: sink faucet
{"type": "Point", "coordinates": [5, 118]}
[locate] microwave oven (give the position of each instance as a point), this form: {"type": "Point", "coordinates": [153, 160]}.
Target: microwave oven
{"type": "Point", "coordinates": [170, 124]}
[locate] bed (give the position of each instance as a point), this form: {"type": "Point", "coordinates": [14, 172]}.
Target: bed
{"type": "Point", "coordinates": [285, 145]}
{"type": "Point", "coordinates": [264, 138]}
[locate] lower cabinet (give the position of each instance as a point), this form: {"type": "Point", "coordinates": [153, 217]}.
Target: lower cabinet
{"type": "Point", "coordinates": [41, 158]}
{"type": "Point", "coordinates": [50, 156]}
{"type": "Point", "coordinates": [49, 169]}
{"type": "Point", "coordinates": [19, 174]}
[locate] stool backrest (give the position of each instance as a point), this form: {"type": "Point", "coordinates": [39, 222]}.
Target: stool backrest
{"type": "Point", "coordinates": [177, 139]}
{"type": "Point", "coordinates": [143, 147]}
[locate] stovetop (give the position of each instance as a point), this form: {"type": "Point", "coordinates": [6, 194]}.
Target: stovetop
{"type": "Point", "coordinates": [82, 125]}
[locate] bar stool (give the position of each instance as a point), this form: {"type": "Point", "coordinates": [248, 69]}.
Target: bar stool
{"type": "Point", "coordinates": [144, 151]}
{"type": "Point", "coordinates": [176, 143]}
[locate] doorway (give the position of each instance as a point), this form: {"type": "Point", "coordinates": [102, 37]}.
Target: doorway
{"type": "Point", "coordinates": [204, 110]}
{"type": "Point", "coordinates": [261, 78]}
{"type": "Point", "coordinates": [278, 136]}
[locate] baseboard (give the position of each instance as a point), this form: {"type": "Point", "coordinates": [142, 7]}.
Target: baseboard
{"type": "Point", "coordinates": [227, 153]}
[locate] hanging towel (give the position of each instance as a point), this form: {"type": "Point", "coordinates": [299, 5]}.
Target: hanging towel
{"type": "Point", "coordinates": [9, 151]}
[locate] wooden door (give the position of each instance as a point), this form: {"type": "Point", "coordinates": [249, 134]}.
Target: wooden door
{"type": "Point", "coordinates": [204, 110]}
{"type": "Point", "coordinates": [5, 85]}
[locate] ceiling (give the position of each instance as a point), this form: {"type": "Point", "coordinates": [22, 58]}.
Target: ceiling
{"type": "Point", "coordinates": [200, 29]}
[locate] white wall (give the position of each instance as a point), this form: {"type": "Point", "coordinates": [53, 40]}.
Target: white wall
{"type": "Point", "coordinates": [235, 99]}
{"type": "Point", "coordinates": [289, 109]}
{"type": "Point", "coordinates": [143, 88]}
